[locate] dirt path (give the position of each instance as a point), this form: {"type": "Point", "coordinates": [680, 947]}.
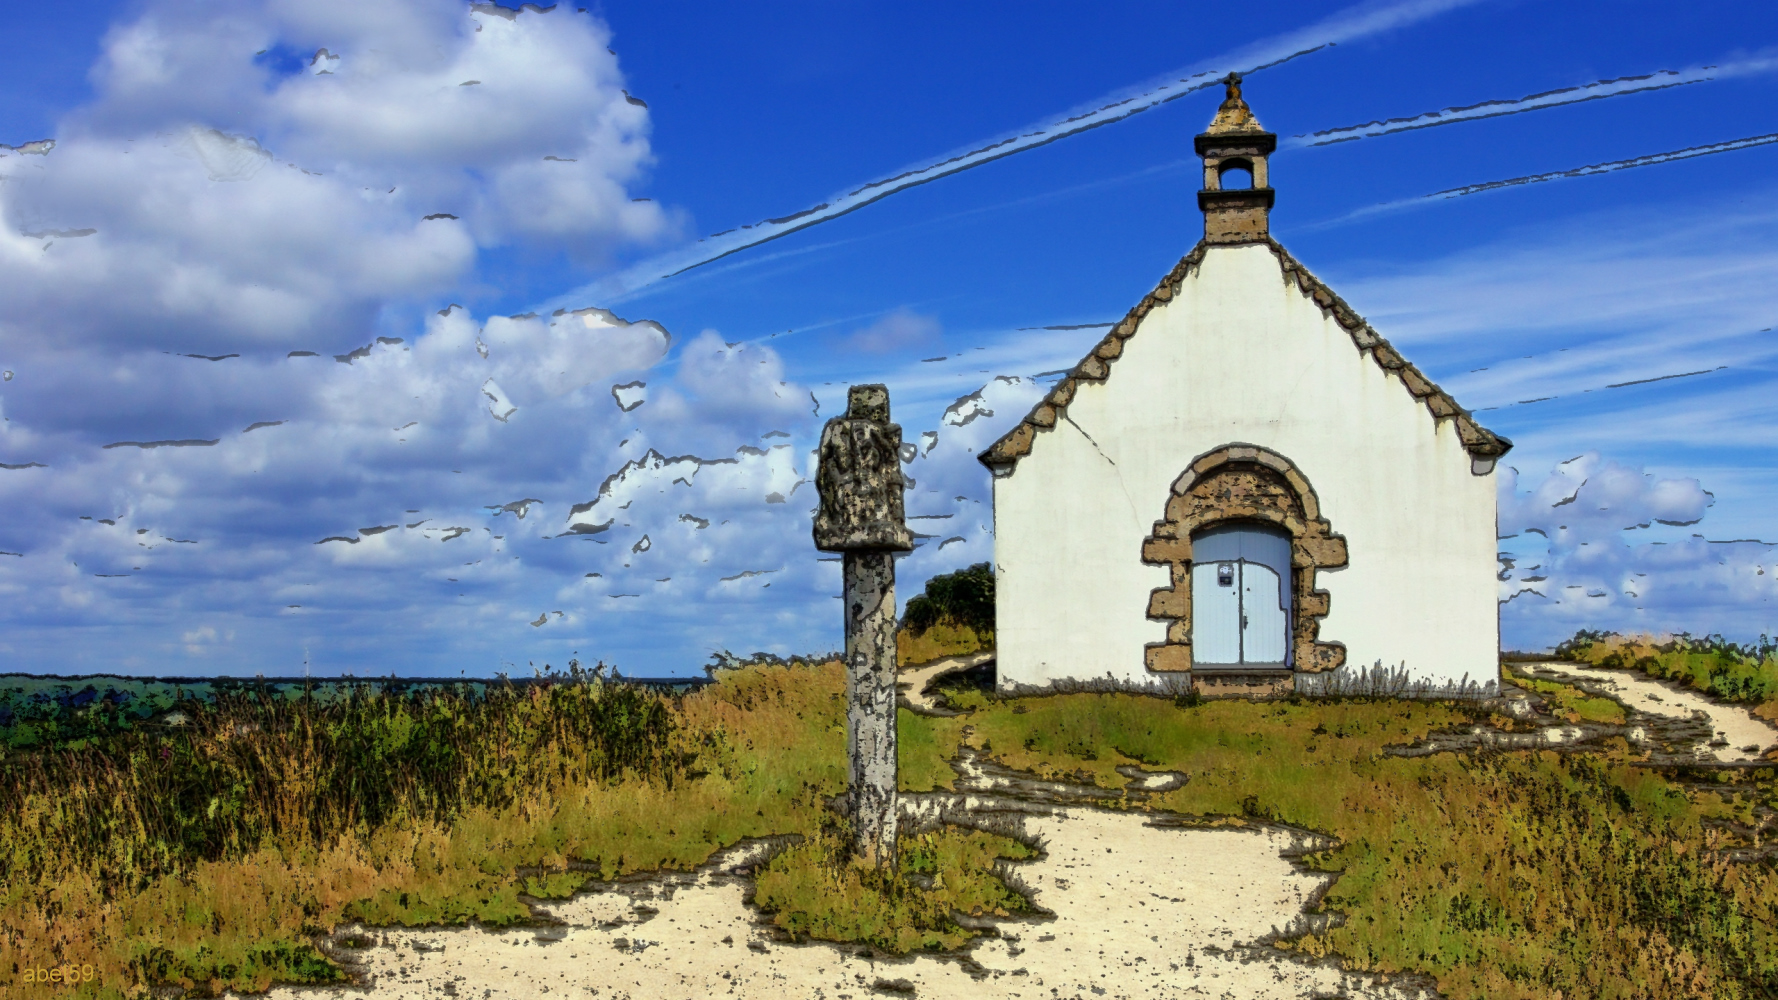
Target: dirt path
{"type": "Point", "coordinates": [1736, 735]}
{"type": "Point", "coordinates": [1138, 907]}
{"type": "Point", "coordinates": [913, 681]}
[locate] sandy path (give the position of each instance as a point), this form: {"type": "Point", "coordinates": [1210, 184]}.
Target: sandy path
{"type": "Point", "coordinates": [913, 681]}
{"type": "Point", "coordinates": [1739, 736]}
{"type": "Point", "coordinates": [1138, 907]}
{"type": "Point", "coordinates": [1141, 910]}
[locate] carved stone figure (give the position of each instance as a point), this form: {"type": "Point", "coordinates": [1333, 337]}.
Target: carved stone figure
{"type": "Point", "coordinates": [859, 478]}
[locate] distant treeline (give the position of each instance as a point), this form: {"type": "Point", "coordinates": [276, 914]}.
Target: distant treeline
{"type": "Point", "coordinates": [45, 712]}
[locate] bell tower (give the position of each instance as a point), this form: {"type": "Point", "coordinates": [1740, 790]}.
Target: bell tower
{"type": "Point", "coordinates": [1236, 195]}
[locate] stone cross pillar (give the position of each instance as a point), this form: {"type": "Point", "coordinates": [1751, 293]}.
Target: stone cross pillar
{"type": "Point", "coordinates": [860, 482]}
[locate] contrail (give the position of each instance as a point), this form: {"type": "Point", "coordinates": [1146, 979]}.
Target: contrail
{"type": "Point", "coordinates": [1618, 87]}
{"type": "Point", "coordinates": [1610, 166]}
{"type": "Point", "coordinates": [1614, 385]}
{"type": "Point", "coordinates": [1356, 22]}
{"type": "Point", "coordinates": [1589, 170]}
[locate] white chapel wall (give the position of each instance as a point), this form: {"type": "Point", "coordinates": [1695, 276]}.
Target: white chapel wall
{"type": "Point", "coordinates": [1240, 356]}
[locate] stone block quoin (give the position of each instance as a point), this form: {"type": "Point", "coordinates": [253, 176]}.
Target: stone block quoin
{"type": "Point", "coordinates": [1243, 483]}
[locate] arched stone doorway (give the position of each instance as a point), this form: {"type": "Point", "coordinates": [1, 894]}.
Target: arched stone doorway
{"type": "Point", "coordinates": [1232, 486]}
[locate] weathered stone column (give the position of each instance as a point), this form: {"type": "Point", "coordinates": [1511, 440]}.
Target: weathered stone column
{"type": "Point", "coordinates": [870, 702]}
{"type": "Point", "coordinates": [861, 515]}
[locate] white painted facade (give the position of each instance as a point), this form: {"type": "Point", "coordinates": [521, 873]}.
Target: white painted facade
{"type": "Point", "coordinates": [1241, 355]}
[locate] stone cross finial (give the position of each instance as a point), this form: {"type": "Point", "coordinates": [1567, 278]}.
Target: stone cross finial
{"type": "Point", "coordinates": [1233, 114]}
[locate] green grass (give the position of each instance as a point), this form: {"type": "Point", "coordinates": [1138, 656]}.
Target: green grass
{"type": "Point", "coordinates": [1502, 875]}
{"type": "Point", "coordinates": [816, 890]}
{"type": "Point", "coordinates": [209, 857]}
{"type": "Point", "coordinates": [1569, 702]}
{"type": "Point", "coordinates": [925, 747]}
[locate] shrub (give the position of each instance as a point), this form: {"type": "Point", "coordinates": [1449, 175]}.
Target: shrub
{"type": "Point", "coordinates": [964, 599]}
{"type": "Point", "coordinates": [247, 765]}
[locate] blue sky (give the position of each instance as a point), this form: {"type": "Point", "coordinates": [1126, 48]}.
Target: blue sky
{"type": "Point", "coordinates": [392, 466]}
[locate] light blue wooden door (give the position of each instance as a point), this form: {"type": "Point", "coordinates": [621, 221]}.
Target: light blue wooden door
{"type": "Point", "coordinates": [1216, 612]}
{"type": "Point", "coordinates": [1263, 616]}
{"type": "Point", "coordinates": [1241, 597]}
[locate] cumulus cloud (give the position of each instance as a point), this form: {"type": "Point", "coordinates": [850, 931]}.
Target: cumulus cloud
{"type": "Point", "coordinates": [723, 394]}
{"type": "Point", "coordinates": [241, 419]}
{"type": "Point", "coordinates": [1578, 551]}
{"type": "Point", "coordinates": [236, 267]}
{"type": "Point", "coordinates": [232, 198]}
{"type": "Point", "coordinates": [718, 544]}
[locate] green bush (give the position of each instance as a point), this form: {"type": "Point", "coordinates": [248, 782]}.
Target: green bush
{"type": "Point", "coordinates": [964, 598]}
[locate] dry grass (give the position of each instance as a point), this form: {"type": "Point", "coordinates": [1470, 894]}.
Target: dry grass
{"type": "Point", "coordinates": [936, 643]}
{"type": "Point", "coordinates": [1505, 875]}
{"type": "Point", "coordinates": [216, 861]}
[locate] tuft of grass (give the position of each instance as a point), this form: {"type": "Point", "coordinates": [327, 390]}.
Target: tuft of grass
{"type": "Point", "coordinates": [1380, 681]}
{"type": "Point", "coordinates": [816, 890]}
{"type": "Point", "coordinates": [1570, 702]}
{"type": "Point", "coordinates": [1526, 874]}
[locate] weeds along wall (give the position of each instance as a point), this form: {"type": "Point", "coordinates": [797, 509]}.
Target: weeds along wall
{"type": "Point", "coordinates": [1238, 355]}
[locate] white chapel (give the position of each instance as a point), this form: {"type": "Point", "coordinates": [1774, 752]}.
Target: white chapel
{"type": "Point", "coordinates": [1243, 484]}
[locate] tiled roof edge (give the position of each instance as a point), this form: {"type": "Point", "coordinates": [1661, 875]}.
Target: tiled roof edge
{"type": "Point", "coordinates": [1096, 366]}
{"type": "Point", "coordinates": [1479, 441]}
{"type": "Point", "coordinates": [1016, 443]}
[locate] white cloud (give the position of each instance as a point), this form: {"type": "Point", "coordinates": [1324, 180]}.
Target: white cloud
{"type": "Point", "coordinates": [1590, 304]}
{"type": "Point", "coordinates": [728, 376]}
{"type": "Point", "coordinates": [1586, 548]}
{"type": "Point", "coordinates": [228, 255]}
{"type": "Point", "coordinates": [238, 205]}
{"type": "Point", "coordinates": [239, 253]}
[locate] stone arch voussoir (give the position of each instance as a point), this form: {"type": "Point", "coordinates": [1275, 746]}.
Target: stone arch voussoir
{"type": "Point", "coordinates": [1243, 483]}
